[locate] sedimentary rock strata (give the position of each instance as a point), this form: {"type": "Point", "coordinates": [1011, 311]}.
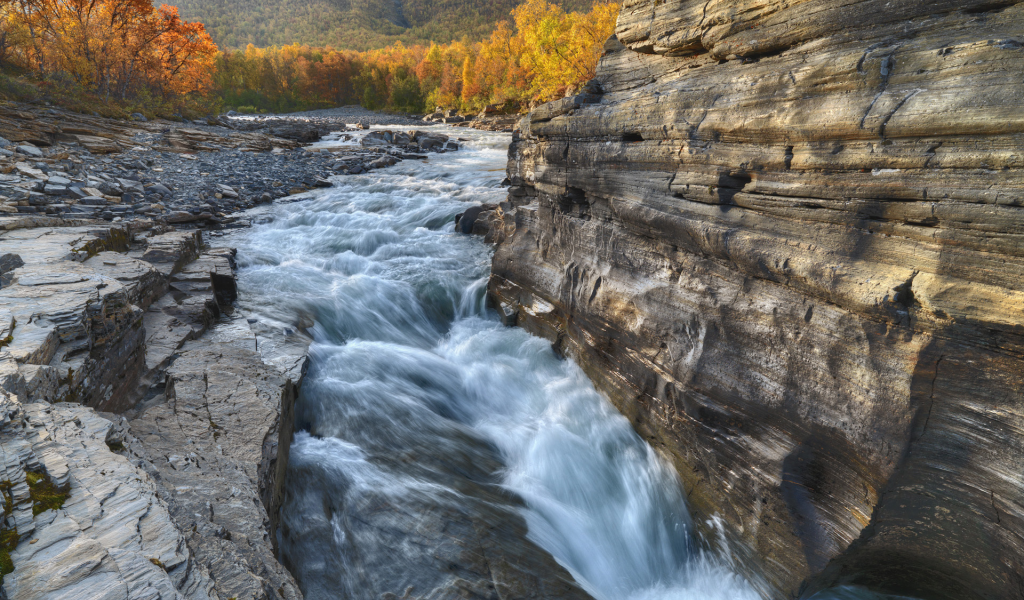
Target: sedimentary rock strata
{"type": "Point", "coordinates": [212, 445]}
{"type": "Point", "coordinates": [112, 537]}
{"type": "Point", "coordinates": [177, 494]}
{"type": "Point", "coordinates": [788, 240]}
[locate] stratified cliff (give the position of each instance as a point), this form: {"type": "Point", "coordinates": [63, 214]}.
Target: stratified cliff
{"type": "Point", "coordinates": [787, 239]}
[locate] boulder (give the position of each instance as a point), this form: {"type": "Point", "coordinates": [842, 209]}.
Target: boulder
{"type": "Point", "coordinates": [8, 263]}
{"type": "Point", "coordinates": [298, 132]}
{"type": "Point", "coordinates": [226, 191]}
{"type": "Point", "coordinates": [159, 188]}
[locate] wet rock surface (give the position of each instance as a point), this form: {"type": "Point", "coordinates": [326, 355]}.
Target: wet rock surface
{"type": "Point", "coordinates": [786, 240]}
{"type": "Point", "coordinates": [487, 220]}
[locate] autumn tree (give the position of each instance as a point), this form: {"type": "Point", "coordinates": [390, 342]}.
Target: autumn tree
{"type": "Point", "coordinates": [559, 49]}
{"type": "Point", "coordinates": [537, 56]}
{"type": "Point", "coordinates": [118, 50]}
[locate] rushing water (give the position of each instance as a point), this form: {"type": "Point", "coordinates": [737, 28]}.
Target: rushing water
{"type": "Point", "coordinates": [411, 374]}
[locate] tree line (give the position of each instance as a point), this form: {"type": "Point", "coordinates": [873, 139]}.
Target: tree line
{"type": "Point", "coordinates": [120, 56]}
{"type": "Point", "coordinates": [538, 55]}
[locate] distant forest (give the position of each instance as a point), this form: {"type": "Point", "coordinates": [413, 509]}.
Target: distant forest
{"type": "Point", "coordinates": [350, 24]}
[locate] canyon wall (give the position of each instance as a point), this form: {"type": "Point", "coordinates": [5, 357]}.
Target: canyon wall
{"type": "Point", "coordinates": [787, 239]}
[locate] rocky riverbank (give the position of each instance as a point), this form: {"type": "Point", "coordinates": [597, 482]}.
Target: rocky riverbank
{"type": "Point", "coordinates": [144, 431]}
{"type": "Point", "coordinates": [786, 240]}
{"type": "Point", "coordinates": [57, 163]}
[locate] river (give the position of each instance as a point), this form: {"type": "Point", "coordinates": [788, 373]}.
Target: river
{"type": "Point", "coordinates": [421, 411]}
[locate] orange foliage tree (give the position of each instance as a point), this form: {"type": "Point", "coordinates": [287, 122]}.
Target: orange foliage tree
{"type": "Point", "coordinates": [117, 50]}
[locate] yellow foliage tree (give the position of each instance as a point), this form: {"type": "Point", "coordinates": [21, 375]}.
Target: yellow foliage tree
{"type": "Point", "coordinates": [560, 50]}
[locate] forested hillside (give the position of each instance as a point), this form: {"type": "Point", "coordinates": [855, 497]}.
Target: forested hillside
{"type": "Point", "coordinates": [120, 57]}
{"type": "Point", "coordinates": [538, 55]}
{"type": "Point", "coordinates": [350, 24]}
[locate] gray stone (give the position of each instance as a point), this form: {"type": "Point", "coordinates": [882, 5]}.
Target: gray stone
{"type": "Point", "coordinates": [113, 537]}
{"type": "Point", "coordinates": [170, 252]}
{"type": "Point", "coordinates": [227, 191]}
{"type": "Point", "coordinates": [228, 423]}
{"type": "Point", "coordinates": [111, 188]}
{"type": "Point", "coordinates": [29, 171]}
{"type": "Point", "coordinates": [30, 151]}
{"type": "Point", "coordinates": [8, 263]}
{"type": "Point", "coordinates": [130, 185]}
{"type": "Point", "coordinates": [160, 189]}
{"type": "Point", "coordinates": [63, 306]}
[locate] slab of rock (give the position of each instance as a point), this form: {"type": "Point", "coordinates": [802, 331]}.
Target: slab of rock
{"type": "Point", "coordinates": [97, 145]}
{"type": "Point", "coordinates": [212, 445]}
{"type": "Point", "coordinates": [30, 151]}
{"type": "Point", "coordinates": [201, 292]}
{"type": "Point", "coordinates": [170, 252]}
{"type": "Point", "coordinates": [113, 536]}
{"type": "Point", "coordinates": [790, 249]}
{"type": "Point", "coordinates": [76, 309]}
{"type": "Point", "coordinates": [143, 282]}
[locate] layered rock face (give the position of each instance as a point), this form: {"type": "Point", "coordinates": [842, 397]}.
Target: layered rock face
{"type": "Point", "coordinates": [177, 495]}
{"type": "Point", "coordinates": [787, 239]}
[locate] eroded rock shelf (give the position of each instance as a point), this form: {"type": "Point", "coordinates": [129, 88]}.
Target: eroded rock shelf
{"type": "Point", "coordinates": [163, 450]}
{"type": "Point", "coordinates": [787, 239]}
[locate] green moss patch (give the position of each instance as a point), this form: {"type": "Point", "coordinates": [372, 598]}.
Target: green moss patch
{"type": "Point", "coordinates": [8, 542]}
{"type": "Point", "coordinates": [45, 495]}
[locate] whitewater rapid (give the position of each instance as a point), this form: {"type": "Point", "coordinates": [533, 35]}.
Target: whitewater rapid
{"type": "Point", "coordinates": [413, 378]}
